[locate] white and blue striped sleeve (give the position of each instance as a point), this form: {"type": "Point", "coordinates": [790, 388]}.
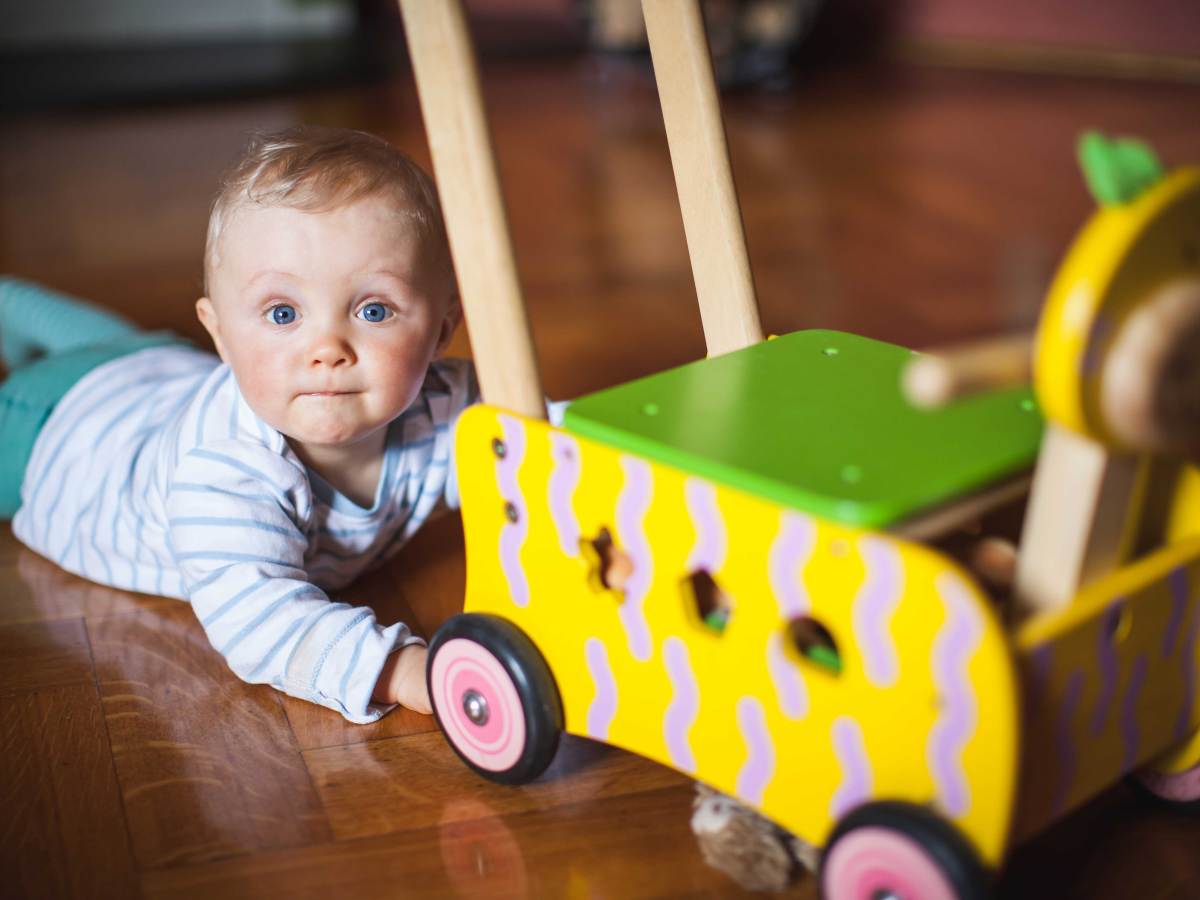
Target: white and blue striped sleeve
{"type": "Point", "coordinates": [235, 515]}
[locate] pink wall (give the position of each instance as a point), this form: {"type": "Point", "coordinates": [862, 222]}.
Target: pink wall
{"type": "Point", "coordinates": [1145, 26]}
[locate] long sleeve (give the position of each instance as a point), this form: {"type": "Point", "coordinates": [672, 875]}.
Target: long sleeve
{"type": "Point", "coordinates": [237, 518]}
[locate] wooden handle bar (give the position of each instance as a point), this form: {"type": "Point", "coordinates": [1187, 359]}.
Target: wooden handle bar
{"type": "Point", "coordinates": [712, 220]}
{"type": "Point", "coordinates": [448, 85]}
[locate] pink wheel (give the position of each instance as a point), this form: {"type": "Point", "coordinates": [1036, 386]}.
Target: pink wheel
{"type": "Point", "coordinates": [873, 863]}
{"type": "Point", "coordinates": [1177, 789]}
{"type": "Point", "coordinates": [898, 851]}
{"type": "Point", "coordinates": [478, 705]}
{"type": "Point", "coordinates": [494, 698]}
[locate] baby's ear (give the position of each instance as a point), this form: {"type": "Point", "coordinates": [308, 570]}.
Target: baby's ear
{"type": "Point", "coordinates": [207, 314]}
{"type": "Point", "coordinates": [450, 322]}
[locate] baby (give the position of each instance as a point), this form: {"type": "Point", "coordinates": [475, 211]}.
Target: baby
{"type": "Point", "coordinates": [253, 485]}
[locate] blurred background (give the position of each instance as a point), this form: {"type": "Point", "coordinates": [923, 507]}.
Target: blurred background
{"type": "Point", "coordinates": [906, 167]}
{"type": "Point", "coordinates": [80, 51]}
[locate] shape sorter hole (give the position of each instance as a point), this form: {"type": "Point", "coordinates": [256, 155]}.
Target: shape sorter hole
{"type": "Point", "coordinates": [611, 566]}
{"type": "Point", "coordinates": [712, 605]}
{"type": "Point", "coordinates": [814, 643]}
{"type": "Point", "coordinates": [1117, 624]}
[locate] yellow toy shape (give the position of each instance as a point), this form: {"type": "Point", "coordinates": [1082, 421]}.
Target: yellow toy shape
{"type": "Point", "coordinates": [1125, 252]}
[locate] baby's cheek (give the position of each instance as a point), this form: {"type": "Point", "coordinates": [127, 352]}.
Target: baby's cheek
{"type": "Point", "coordinates": [264, 389]}
{"type": "Point", "coordinates": [403, 371]}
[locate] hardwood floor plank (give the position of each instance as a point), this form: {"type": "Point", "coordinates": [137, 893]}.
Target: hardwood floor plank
{"type": "Point", "coordinates": [315, 726]}
{"type": "Point", "coordinates": [410, 782]}
{"type": "Point", "coordinates": [43, 654]}
{"type": "Point", "coordinates": [38, 590]}
{"type": "Point", "coordinates": [62, 831]}
{"type": "Point", "coordinates": [207, 764]}
{"type": "Point", "coordinates": [1091, 852]}
{"type": "Point", "coordinates": [629, 846]}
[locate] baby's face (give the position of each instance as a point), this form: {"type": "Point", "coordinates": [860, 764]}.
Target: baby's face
{"type": "Point", "coordinates": [328, 319]}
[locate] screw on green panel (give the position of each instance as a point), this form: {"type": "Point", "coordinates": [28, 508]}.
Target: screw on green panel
{"type": "Point", "coordinates": [1119, 170]}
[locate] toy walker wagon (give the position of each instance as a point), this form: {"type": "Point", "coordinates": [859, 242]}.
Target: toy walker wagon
{"type": "Point", "coordinates": [751, 568]}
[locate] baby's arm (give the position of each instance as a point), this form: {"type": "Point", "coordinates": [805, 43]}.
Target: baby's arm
{"type": "Point", "coordinates": [234, 515]}
{"type": "Point", "coordinates": [403, 680]}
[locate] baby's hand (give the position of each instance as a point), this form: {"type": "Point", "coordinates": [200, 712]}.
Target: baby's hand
{"type": "Point", "coordinates": [403, 679]}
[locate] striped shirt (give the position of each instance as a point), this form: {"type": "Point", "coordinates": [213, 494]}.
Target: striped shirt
{"type": "Point", "coordinates": [154, 475]}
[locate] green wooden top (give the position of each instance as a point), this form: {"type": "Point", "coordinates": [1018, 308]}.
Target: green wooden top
{"type": "Point", "coordinates": [816, 420]}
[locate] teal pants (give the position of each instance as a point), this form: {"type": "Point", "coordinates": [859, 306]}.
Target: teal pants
{"type": "Point", "coordinates": [49, 341]}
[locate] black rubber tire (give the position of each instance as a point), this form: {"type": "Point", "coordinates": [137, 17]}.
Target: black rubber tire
{"type": "Point", "coordinates": [1144, 793]}
{"type": "Point", "coordinates": [535, 686]}
{"type": "Point", "coordinates": [941, 841]}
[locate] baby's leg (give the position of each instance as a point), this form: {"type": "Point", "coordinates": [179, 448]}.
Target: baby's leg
{"type": "Point", "coordinates": [35, 321]}
{"type": "Point", "coordinates": [27, 398]}
{"type": "Point", "coordinates": [29, 394]}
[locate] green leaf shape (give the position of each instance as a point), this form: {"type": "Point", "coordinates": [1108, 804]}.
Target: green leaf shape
{"type": "Point", "coordinates": [1117, 171]}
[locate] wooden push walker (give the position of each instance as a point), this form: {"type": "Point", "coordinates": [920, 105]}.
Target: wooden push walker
{"type": "Point", "coordinates": [745, 567]}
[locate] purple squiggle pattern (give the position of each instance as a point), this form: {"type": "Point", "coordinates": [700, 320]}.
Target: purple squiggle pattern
{"type": "Point", "coordinates": [632, 505]}
{"type": "Point", "coordinates": [1064, 742]}
{"type": "Point", "coordinates": [758, 770]}
{"type": "Point", "coordinates": [1130, 735]}
{"type": "Point", "coordinates": [512, 534]}
{"type": "Point", "coordinates": [603, 708]}
{"type": "Point", "coordinates": [789, 552]}
{"type": "Point", "coordinates": [1179, 597]}
{"type": "Point", "coordinates": [564, 478]}
{"type": "Point", "coordinates": [684, 706]}
{"type": "Point", "coordinates": [1187, 663]}
{"type": "Point", "coordinates": [851, 755]}
{"type": "Point", "coordinates": [1106, 653]}
{"type": "Point", "coordinates": [953, 648]}
{"type": "Point", "coordinates": [873, 609]}
{"type": "Point", "coordinates": [1043, 664]}
{"type": "Point", "coordinates": [711, 544]}
{"type": "Point", "coordinates": [790, 687]}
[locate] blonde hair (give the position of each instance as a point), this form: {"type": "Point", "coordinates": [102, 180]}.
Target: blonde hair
{"type": "Point", "coordinates": [315, 169]}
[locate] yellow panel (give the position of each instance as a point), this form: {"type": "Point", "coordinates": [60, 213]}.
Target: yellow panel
{"type": "Point", "coordinates": [1109, 681]}
{"type": "Point", "coordinates": [924, 708]}
{"type": "Point", "coordinates": [1184, 518]}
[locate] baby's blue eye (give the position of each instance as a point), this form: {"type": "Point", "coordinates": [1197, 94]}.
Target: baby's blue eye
{"type": "Point", "coordinates": [374, 312]}
{"type": "Point", "coordinates": [283, 314]}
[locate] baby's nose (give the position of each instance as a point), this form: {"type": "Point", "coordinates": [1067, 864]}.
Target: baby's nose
{"type": "Point", "coordinates": [331, 349]}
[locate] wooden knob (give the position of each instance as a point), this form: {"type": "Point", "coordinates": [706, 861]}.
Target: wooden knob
{"type": "Point", "coordinates": [1150, 382]}
{"type": "Point", "coordinates": [936, 378]}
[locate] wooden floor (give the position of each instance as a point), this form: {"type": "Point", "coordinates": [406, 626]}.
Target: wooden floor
{"type": "Point", "coordinates": [908, 204]}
